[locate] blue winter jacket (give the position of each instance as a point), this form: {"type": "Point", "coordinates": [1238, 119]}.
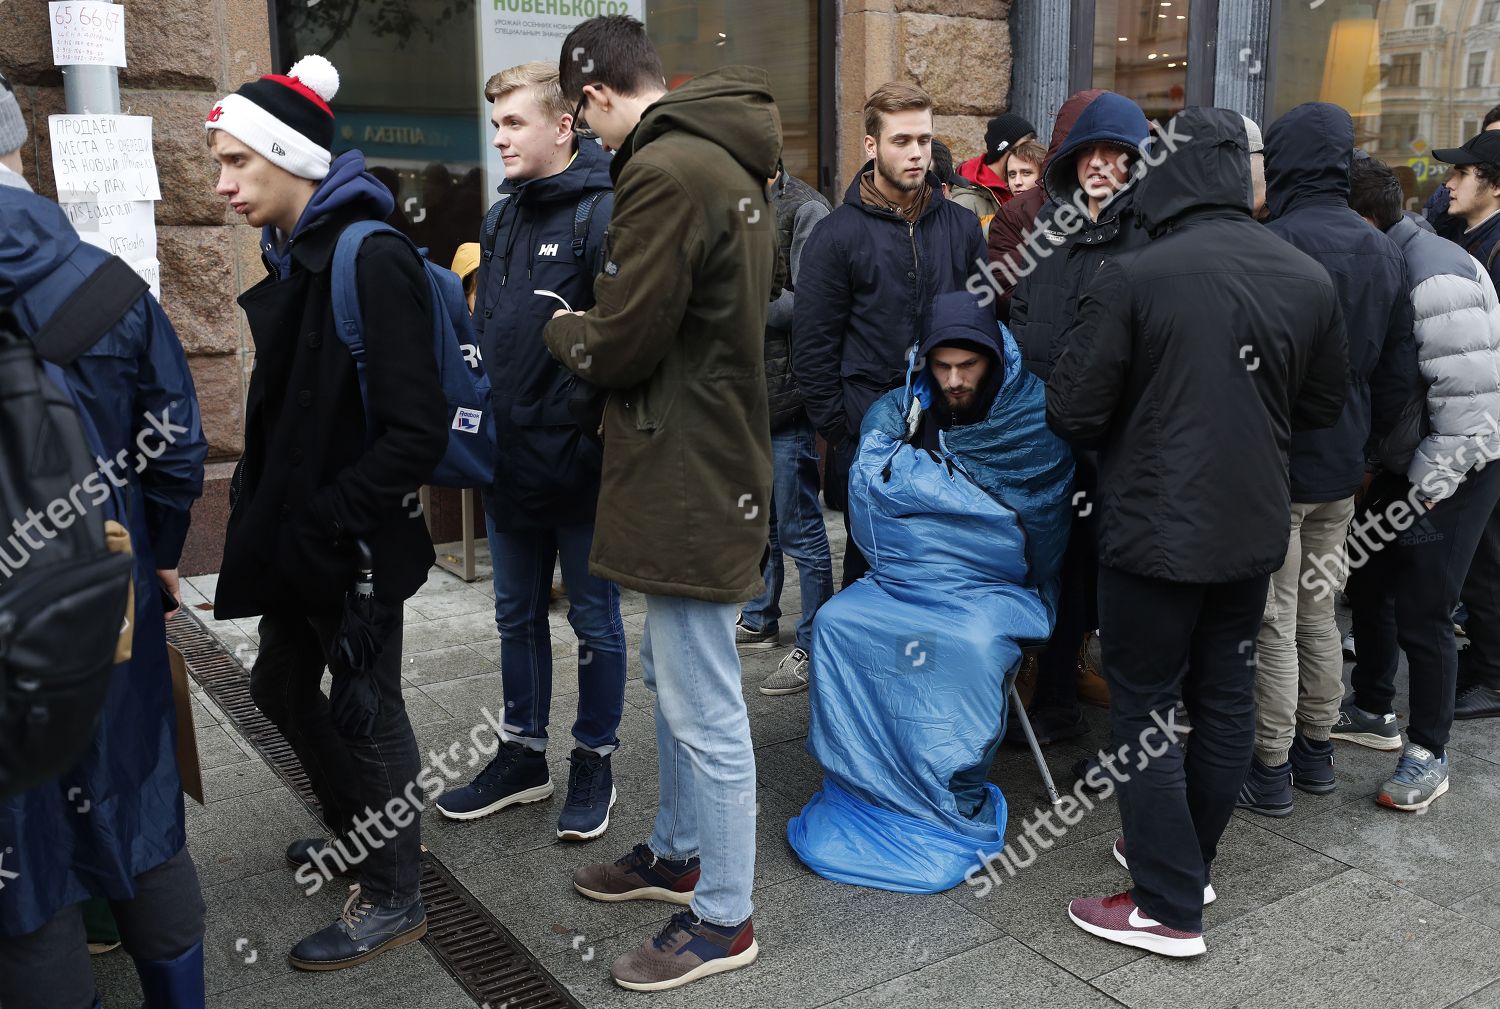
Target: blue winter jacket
{"type": "Point", "coordinates": [547, 474]}
{"type": "Point", "coordinates": [1308, 153]}
{"type": "Point", "coordinates": [128, 777]}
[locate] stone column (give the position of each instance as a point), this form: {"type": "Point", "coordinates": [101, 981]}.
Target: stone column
{"type": "Point", "coordinates": [182, 55]}
{"type": "Point", "coordinates": [957, 50]}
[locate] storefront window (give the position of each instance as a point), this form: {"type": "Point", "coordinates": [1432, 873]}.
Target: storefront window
{"type": "Point", "coordinates": [1141, 51]}
{"type": "Point", "coordinates": [412, 87]}
{"type": "Point", "coordinates": [1414, 75]}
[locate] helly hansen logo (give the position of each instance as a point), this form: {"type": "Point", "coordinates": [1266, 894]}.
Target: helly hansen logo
{"type": "Point", "coordinates": [548, 250]}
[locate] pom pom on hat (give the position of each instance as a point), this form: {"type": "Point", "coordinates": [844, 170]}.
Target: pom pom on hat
{"type": "Point", "coordinates": [318, 75]}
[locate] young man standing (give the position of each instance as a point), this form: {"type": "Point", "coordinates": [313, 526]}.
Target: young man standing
{"type": "Point", "coordinates": [546, 234]}
{"type": "Point", "coordinates": [316, 477]}
{"type": "Point", "coordinates": [796, 516]}
{"type": "Point", "coordinates": [677, 335]}
{"type": "Point", "coordinates": [869, 274]}
{"type": "Point", "coordinates": [1474, 197]}
{"type": "Point", "coordinates": [1193, 435]}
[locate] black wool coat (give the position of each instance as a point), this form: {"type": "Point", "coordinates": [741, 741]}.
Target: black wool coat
{"type": "Point", "coordinates": [312, 478]}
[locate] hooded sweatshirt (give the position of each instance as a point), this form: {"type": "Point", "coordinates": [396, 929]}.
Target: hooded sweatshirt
{"type": "Point", "coordinates": [677, 333]}
{"type": "Point", "coordinates": [959, 321]}
{"type": "Point", "coordinates": [347, 184]}
{"type": "Point", "coordinates": [1308, 154]}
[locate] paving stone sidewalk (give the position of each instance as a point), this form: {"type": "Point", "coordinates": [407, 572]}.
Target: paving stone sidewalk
{"type": "Point", "coordinates": [1343, 903]}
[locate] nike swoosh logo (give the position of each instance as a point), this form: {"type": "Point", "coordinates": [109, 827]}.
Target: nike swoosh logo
{"type": "Point", "coordinates": [1138, 921]}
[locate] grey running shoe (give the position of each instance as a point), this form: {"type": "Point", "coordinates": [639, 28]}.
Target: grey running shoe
{"type": "Point", "coordinates": [1356, 725]}
{"type": "Point", "coordinates": [745, 637]}
{"type": "Point", "coordinates": [1420, 777]}
{"type": "Point", "coordinates": [790, 676]}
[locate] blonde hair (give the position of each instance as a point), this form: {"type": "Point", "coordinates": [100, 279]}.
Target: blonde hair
{"type": "Point", "coordinates": [895, 96]}
{"type": "Point", "coordinates": [538, 75]}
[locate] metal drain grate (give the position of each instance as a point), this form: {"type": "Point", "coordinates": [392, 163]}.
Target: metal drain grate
{"type": "Point", "coordinates": [480, 953]}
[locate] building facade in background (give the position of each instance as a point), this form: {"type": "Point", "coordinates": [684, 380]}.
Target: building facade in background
{"type": "Point", "coordinates": [1415, 74]}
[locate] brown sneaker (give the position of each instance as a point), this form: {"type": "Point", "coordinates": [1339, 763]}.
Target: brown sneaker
{"type": "Point", "coordinates": [640, 875]}
{"type": "Point", "coordinates": [686, 950]}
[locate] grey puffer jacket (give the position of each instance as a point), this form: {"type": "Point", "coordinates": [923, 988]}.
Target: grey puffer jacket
{"type": "Point", "coordinates": [1458, 351]}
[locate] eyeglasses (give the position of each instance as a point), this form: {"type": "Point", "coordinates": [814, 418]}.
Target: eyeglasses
{"type": "Point", "coordinates": [581, 129]}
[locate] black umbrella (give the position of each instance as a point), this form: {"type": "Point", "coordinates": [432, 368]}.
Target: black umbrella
{"type": "Point", "coordinates": [363, 632]}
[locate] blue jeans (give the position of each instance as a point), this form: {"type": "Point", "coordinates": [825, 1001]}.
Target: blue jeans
{"type": "Point", "coordinates": [796, 527]}
{"type": "Point", "coordinates": [707, 764]}
{"type": "Point", "coordinates": [523, 588]}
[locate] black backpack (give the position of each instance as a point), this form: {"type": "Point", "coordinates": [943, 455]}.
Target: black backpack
{"type": "Point", "coordinates": [64, 595]}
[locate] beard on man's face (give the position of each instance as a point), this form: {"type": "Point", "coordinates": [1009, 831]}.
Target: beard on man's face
{"type": "Point", "coordinates": [894, 172]}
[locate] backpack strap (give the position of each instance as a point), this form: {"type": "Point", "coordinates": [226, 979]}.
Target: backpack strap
{"type": "Point", "coordinates": [94, 308]}
{"type": "Point", "coordinates": [345, 289]}
{"type": "Point", "coordinates": [492, 224]}
{"type": "Point", "coordinates": [583, 214]}
{"type": "Point", "coordinates": [1489, 262]}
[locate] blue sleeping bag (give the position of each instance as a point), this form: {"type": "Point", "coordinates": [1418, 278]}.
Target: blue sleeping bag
{"type": "Point", "coordinates": [912, 664]}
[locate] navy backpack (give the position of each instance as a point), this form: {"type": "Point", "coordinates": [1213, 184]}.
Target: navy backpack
{"type": "Point", "coordinates": [469, 460]}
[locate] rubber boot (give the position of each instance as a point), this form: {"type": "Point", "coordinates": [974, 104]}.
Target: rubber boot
{"type": "Point", "coordinates": [175, 983]}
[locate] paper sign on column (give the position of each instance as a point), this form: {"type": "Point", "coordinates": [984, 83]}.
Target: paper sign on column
{"type": "Point", "coordinates": [104, 157]}
{"type": "Point", "coordinates": [88, 32]}
{"type": "Point", "coordinates": [126, 229]}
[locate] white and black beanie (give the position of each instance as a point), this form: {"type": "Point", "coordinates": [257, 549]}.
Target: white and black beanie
{"type": "Point", "coordinates": [285, 118]}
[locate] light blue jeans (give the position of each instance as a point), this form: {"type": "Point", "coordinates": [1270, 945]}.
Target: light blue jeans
{"type": "Point", "coordinates": [707, 763]}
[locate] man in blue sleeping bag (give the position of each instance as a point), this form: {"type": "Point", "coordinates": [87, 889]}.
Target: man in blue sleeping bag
{"type": "Point", "coordinates": [959, 499]}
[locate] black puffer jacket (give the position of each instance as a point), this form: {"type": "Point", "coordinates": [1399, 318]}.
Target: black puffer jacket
{"type": "Point", "coordinates": [1191, 362]}
{"type": "Point", "coordinates": [1308, 153]}
{"type": "Point", "coordinates": [798, 207]}
{"type": "Point", "coordinates": [1046, 300]}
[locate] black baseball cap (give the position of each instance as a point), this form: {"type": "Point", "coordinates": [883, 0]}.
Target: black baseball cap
{"type": "Point", "coordinates": [1484, 147]}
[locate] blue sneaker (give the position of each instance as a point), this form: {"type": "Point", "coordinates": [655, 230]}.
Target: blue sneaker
{"type": "Point", "coordinates": [1267, 790]}
{"type": "Point", "coordinates": [1420, 777]}
{"type": "Point", "coordinates": [1312, 765]}
{"type": "Point", "coordinates": [517, 774]}
{"type": "Point", "coordinates": [591, 795]}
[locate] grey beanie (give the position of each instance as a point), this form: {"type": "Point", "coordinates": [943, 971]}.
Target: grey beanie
{"type": "Point", "coordinates": [12, 125]}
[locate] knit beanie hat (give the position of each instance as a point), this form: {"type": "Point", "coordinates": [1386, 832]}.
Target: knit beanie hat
{"type": "Point", "coordinates": [12, 125]}
{"type": "Point", "coordinates": [1003, 133]}
{"type": "Point", "coordinates": [285, 118]}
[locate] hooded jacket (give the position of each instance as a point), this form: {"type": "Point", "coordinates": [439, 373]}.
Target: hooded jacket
{"type": "Point", "coordinates": [137, 371]}
{"type": "Point", "coordinates": [313, 478]}
{"type": "Point", "coordinates": [547, 472]}
{"type": "Point", "coordinates": [1189, 364]}
{"type": "Point", "coordinates": [958, 320]}
{"type": "Point", "coordinates": [1458, 350]}
{"type": "Point", "coordinates": [1070, 247]}
{"type": "Point", "coordinates": [677, 333]}
{"type": "Point", "coordinates": [865, 296]}
{"type": "Point", "coordinates": [1010, 227]}
{"type": "Point", "coordinates": [1308, 154]}
{"type": "Point", "coordinates": [977, 171]}
{"type": "Point", "coordinates": [1483, 243]}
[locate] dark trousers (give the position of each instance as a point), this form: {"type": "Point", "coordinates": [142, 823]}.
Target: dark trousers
{"type": "Point", "coordinates": [352, 776]}
{"type": "Point", "coordinates": [1481, 595]}
{"type": "Point", "coordinates": [50, 969]}
{"type": "Point", "coordinates": [1164, 642]}
{"type": "Point", "coordinates": [1404, 595]}
{"type": "Point", "coordinates": [1077, 615]}
{"type": "Point", "coordinates": [842, 459]}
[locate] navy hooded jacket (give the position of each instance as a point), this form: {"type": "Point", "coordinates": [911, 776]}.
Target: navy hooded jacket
{"type": "Point", "coordinates": [137, 370]}
{"type": "Point", "coordinates": [547, 474]}
{"type": "Point", "coordinates": [864, 294]}
{"type": "Point", "coordinates": [1072, 247]}
{"type": "Point", "coordinates": [1308, 154]}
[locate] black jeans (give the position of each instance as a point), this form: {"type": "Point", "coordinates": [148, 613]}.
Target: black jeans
{"type": "Point", "coordinates": [49, 968]}
{"type": "Point", "coordinates": [855, 564]}
{"type": "Point", "coordinates": [1164, 642]}
{"type": "Point", "coordinates": [1481, 595]}
{"type": "Point", "coordinates": [1077, 614]}
{"type": "Point", "coordinates": [352, 776]}
{"type": "Point", "coordinates": [1404, 595]}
